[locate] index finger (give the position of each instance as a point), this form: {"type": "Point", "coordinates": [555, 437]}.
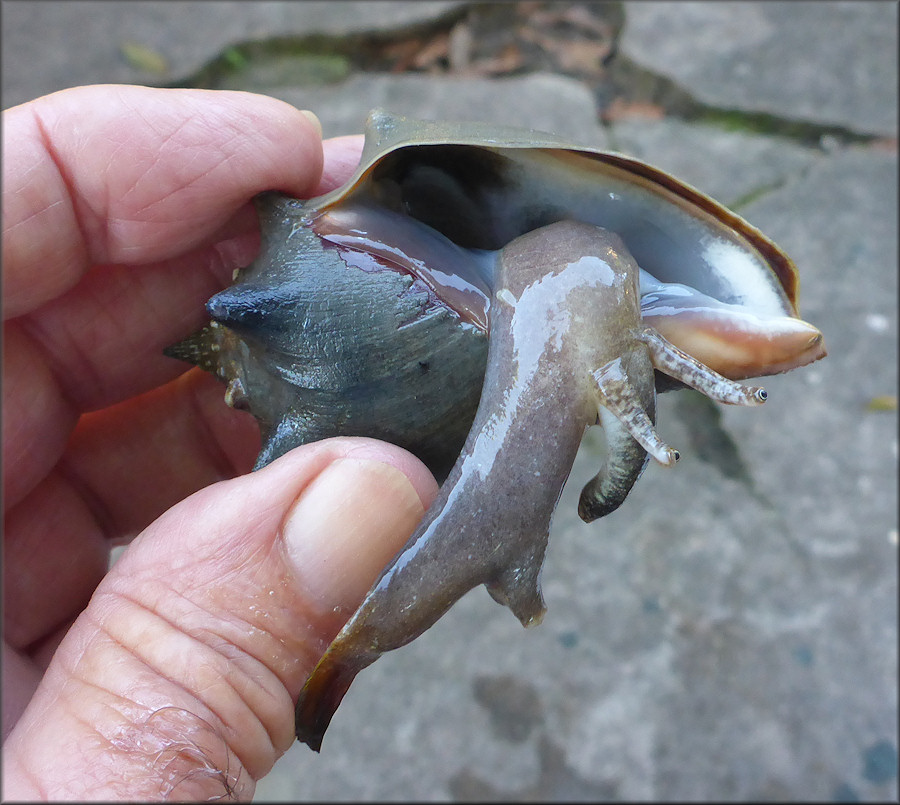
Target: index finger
{"type": "Point", "coordinates": [119, 175]}
{"type": "Point", "coordinates": [132, 175]}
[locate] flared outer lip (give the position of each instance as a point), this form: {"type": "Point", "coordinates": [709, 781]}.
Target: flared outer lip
{"type": "Point", "coordinates": [775, 258]}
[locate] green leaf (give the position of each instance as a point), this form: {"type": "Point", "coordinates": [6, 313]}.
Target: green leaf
{"type": "Point", "coordinates": [143, 58]}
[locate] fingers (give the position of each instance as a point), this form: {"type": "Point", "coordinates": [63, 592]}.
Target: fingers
{"type": "Point", "coordinates": [103, 339]}
{"type": "Point", "coordinates": [100, 343]}
{"type": "Point", "coordinates": [115, 175]}
{"type": "Point", "coordinates": [341, 159]}
{"type": "Point", "coordinates": [105, 336]}
{"type": "Point", "coordinates": [122, 468]}
{"type": "Point", "coordinates": [56, 555]}
{"type": "Point", "coordinates": [137, 459]}
{"type": "Point", "coordinates": [132, 175]}
{"type": "Point", "coordinates": [37, 419]}
{"type": "Point", "coordinates": [178, 679]}
{"type": "Point", "coordinates": [127, 173]}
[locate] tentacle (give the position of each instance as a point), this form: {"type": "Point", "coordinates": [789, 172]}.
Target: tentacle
{"type": "Point", "coordinates": [672, 361]}
{"type": "Point", "coordinates": [619, 397]}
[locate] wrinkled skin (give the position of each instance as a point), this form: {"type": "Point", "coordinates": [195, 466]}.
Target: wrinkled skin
{"type": "Point", "coordinates": [124, 209]}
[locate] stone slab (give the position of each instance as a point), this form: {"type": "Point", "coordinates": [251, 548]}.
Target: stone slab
{"type": "Point", "coordinates": [731, 632]}
{"type": "Point", "coordinates": [826, 62]}
{"type": "Point", "coordinates": [730, 166]}
{"type": "Point", "coordinates": [52, 45]}
{"type": "Point", "coordinates": [541, 101]}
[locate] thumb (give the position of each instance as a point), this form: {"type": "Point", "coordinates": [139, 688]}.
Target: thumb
{"type": "Point", "coordinates": [178, 679]}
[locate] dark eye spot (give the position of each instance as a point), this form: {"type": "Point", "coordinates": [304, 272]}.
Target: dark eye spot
{"type": "Point", "coordinates": [424, 366]}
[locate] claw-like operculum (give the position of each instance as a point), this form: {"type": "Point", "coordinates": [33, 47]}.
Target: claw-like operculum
{"type": "Point", "coordinates": [672, 361]}
{"type": "Point", "coordinates": [619, 397]}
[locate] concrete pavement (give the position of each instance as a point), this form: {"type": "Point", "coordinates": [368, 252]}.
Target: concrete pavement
{"type": "Point", "coordinates": [731, 632]}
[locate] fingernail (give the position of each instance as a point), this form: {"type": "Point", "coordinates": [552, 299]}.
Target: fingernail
{"type": "Point", "coordinates": [346, 526]}
{"type": "Point", "coordinates": [313, 118]}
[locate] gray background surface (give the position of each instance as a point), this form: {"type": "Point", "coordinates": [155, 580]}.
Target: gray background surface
{"type": "Point", "coordinates": [731, 632]}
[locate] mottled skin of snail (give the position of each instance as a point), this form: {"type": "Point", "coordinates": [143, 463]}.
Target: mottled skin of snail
{"type": "Point", "coordinates": [567, 349]}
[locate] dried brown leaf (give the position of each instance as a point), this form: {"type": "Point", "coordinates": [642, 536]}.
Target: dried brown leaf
{"type": "Point", "coordinates": [621, 109]}
{"type": "Point", "coordinates": [572, 55]}
{"type": "Point", "coordinates": [433, 52]}
{"type": "Point", "coordinates": [507, 61]}
{"type": "Point", "coordinates": [401, 54]}
{"type": "Point", "coordinates": [581, 56]}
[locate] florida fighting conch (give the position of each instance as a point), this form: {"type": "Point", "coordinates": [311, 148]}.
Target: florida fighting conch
{"type": "Point", "coordinates": [481, 295]}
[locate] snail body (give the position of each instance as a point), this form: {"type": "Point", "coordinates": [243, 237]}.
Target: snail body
{"type": "Point", "coordinates": [481, 296]}
{"type": "Point", "coordinates": [568, 345]}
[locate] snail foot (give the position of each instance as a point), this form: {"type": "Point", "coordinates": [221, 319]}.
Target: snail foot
{"type": "Point", "coordinates": [322, 694]}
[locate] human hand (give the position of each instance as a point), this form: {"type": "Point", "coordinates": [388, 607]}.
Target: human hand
{"type": "Point", "coordinates": [124, 209]}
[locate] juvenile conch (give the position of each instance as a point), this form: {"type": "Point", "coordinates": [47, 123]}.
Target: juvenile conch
{"type": "Point", "coordinates": [548, 286]}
